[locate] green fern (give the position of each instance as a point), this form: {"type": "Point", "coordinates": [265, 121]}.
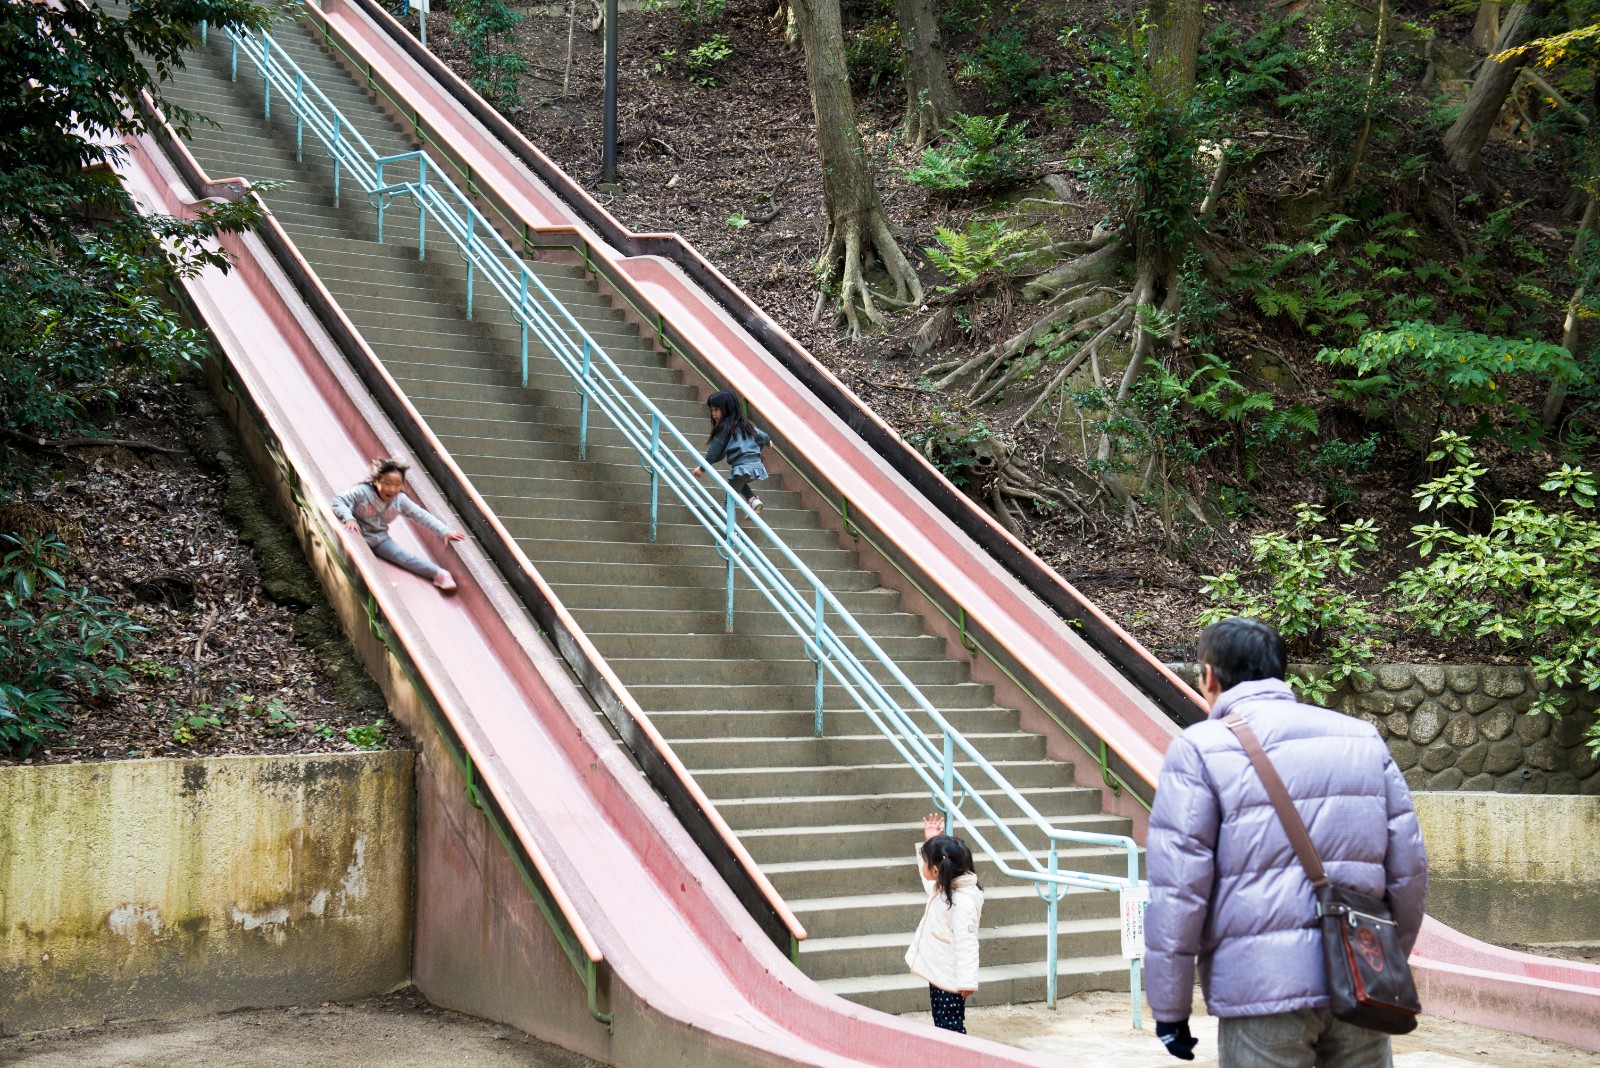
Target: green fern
{"type": "Point", "coordinates": [984, 246]}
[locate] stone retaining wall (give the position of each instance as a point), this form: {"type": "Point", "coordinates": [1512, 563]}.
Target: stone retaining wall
{"type": "Point", "coordinates": [1467, 728]}
{"type": "Point", "coordinates": [165, 888]}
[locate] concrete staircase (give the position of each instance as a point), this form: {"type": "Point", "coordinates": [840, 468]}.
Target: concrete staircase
{"type": "Point", "coordinates": [833, 821]}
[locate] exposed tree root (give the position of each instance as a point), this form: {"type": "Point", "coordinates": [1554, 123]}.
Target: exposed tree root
{"type": "Point", "coordinates": [1089, 350]}
{"type": "Point", "coordinates": [1101, 264]}
{"type": "Point", "coordinates": [1066, 305]}
{"type": "Point", "coordinates": [848, 243]}
{"type": "Point", "coordinates": [1111, 315]}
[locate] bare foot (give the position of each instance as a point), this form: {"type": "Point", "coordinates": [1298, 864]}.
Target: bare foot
{"type": "Point", "coordinates": [444, 581]}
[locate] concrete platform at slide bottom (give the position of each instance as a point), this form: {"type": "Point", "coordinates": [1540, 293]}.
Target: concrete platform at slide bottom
{"type": "Point", "coordinates": [404, 1031]}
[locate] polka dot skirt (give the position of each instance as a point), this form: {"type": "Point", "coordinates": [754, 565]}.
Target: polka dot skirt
{"type": "Point", "coordinates": [949, 1010]}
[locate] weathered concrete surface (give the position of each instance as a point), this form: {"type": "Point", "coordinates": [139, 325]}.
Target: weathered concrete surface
{"type": "Point", "coordinates": [1513, 869]}
{"type": "Point", "coordinates": [162, 888]}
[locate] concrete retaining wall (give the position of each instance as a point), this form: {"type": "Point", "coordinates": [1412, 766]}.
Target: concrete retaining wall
{"type": "Point", "coordinates": [165, 888]}
{"type": "Point", "coordinates": [1467, 728]}
{"type": "Point", "coordinates": [1513, 870]}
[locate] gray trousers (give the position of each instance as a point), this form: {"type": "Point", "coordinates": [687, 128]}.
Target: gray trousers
{"type": "Point", "coordinates": [1310, 1038]}
{"type": "Point", "coordinates": [395, 553]}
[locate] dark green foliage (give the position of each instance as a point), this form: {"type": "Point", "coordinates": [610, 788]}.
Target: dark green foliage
{"type": "Point", "coordinates": [1337, 61]}
{"type": "Point", "coordinates": [1142, 158]}
{"type": "Point", "coordinates": [488, 27]}
{"type": "Point", "coordinates": [71, 67]}
{"type": "Point", "coordinates": [980, 153]}
{"type": "Point", "coordinates": [953, 443]}
{"type": "Point", "coordinates": [56, 643]}
{"type": "Point", "coordinates": [873, 53]}
{"type": "Point", "coordinates": [81, 309]}
{"type": "Point", "coordinates": [1428, 376]}
{"type": "Point", "coordinates": [1003, 65]}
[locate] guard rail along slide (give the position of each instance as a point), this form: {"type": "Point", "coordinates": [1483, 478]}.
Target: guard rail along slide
{"type": "Point", "coordinates": [580, 835]}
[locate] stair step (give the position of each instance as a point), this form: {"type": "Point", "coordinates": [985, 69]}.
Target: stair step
{"type": "Point", "coordinates": [1008, 984]}
{"type": "Point", "coordinates": [1018, 945]}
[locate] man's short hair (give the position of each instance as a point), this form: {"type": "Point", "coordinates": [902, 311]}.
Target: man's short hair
{"type": "Point", "coordinates": [1242, 650]}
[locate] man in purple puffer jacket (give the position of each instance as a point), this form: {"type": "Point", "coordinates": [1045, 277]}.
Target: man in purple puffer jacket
{"type": "Point", "coordinates": [1225, 886]}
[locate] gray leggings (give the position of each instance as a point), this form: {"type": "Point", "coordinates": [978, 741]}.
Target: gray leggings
{"type": "Point", "coordinates": [395, 553]}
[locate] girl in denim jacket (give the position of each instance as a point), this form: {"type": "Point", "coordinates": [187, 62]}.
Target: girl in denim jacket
{"type": "Point", "coordinates": [736, 439]}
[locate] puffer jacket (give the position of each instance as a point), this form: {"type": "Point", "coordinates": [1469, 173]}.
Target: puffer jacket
{"type": "Point", "coordinates": [1225, 885]}
{"type": "Point", "coordinates": [944, 951]}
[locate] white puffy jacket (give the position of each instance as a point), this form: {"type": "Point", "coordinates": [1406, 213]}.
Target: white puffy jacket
{"type": "Point", "coordinates": [944, 951]}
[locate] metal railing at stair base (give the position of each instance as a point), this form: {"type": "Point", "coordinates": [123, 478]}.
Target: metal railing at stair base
{"type": "Point", "coordinates": [602, 385]}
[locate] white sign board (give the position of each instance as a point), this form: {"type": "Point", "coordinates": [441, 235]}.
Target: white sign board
{"type": "Point", "coordinates": [1134, 901]}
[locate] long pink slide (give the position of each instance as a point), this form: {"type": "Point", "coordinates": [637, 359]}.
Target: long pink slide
{"type": "Point", "coordinates": [693, 979]}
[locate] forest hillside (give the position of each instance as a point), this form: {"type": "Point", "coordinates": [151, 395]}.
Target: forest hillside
{"type": "Point", "coordinates": [1282, 307]}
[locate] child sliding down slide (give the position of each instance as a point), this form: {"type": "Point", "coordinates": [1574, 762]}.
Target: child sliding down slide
{"type": "Point", "coordinates": [367, 509]}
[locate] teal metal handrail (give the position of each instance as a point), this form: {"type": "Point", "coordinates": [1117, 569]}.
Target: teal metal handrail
{"type": "Point", "coordinates": [814, 614]}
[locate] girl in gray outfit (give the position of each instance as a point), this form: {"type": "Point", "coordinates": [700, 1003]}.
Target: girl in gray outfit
{"type": "Point", "coordinates": [366, 509]}
{"type": "Point", "coordinates": [736, 439]}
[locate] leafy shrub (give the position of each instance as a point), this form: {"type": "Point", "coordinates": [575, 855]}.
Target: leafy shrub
{"type": "Point", "coordinates": [1414, 368]}
{"type": "Point", "coordinates": [1005, 68]}
{"type": "Point", "coordinates": [1530, 583]}
{"type": "Point", "coordinates": [55, 642]}
{"type": "Point", "coordinates": [873, 54]}
{"type": "Point", "coordinates": [1295, 590]}
{"type": "Point", "coordinates": [703, 57]}
{"type": "Point", "coordinates": [489, 29]}
{"type": "Point", "coordinates": [953, 444]}
{"type": "Point", "coordinates": [367, 737]}
{"type": "Point", "coordinates": [981, 153]}
{"type": "Point", "coordinates": [984, 246]}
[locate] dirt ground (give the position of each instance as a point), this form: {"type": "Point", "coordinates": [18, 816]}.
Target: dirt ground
{"type": "Point", "coordinates": [399, 1031]}
{"type": "Point", "coordinates": [404, 1031]}
{"type": "Point", "coordinates": [240, 652]}
{"type": "Point", "coordinates": [729, 162]}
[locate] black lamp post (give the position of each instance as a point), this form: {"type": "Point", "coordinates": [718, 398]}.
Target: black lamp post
{"type": "Point", "coordinates": [608, 150]}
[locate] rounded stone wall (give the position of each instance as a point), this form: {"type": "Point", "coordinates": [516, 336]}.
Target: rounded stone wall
{"type": "Point", "coordinates": [1467, 728]}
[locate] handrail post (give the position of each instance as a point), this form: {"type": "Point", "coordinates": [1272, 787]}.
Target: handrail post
{"type": "Point", "coordinates": [655, 473]}
{"type": "Point", "coordinates": [949, 781]}
{"type": "Point", "coordinates": [299, 117]}
{"type": "Point", "coordinates": [338, 145]}
{"type": "Point", "coordinates": [421, 199]}
{"type": "Point", "coordinates": [202, 31]}
{"type": "Point", "coordinates": [728, 533]}
{"type": "Point", "coordinates": [522, 316]}
{"type": "Point", "coordinates": [378, 181]}
{"type": "Point", "coordinates": [1051, 935]}
{"type": "Point", "coordinates": [233, 59]}
{"type": "Point", "coordinates": [472, 226]}
{"type": "Point", "coordinates": [266, 88]}
{"type": "Point", "coordinates": [816, 637]}
{"type": "Point", "coordinates": [583, 410]}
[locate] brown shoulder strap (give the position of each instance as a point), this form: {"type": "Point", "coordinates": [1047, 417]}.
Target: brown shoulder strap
{"type": "Point", "coordinates": [1293, 825]}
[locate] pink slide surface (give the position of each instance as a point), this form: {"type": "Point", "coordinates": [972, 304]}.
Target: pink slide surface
{"type": "Point", "coordinates": [638, 892]}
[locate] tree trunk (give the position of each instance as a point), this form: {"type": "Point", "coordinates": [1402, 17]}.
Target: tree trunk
{"type": "Point", "coordinates": [1375, 79]}
{"type": "Point", "coordinates": [930, 98]}
{"type": "Point", "coordinates": [1486, 29]}
{"type": "Point", "coordinates": [1571, 334]}
{"type": "Point", "coordinates": [1174, 28]}
{"type": "Point", "coordinates": [1463, 143]}
{"type": "Point", "coordinates": [855, 223]}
